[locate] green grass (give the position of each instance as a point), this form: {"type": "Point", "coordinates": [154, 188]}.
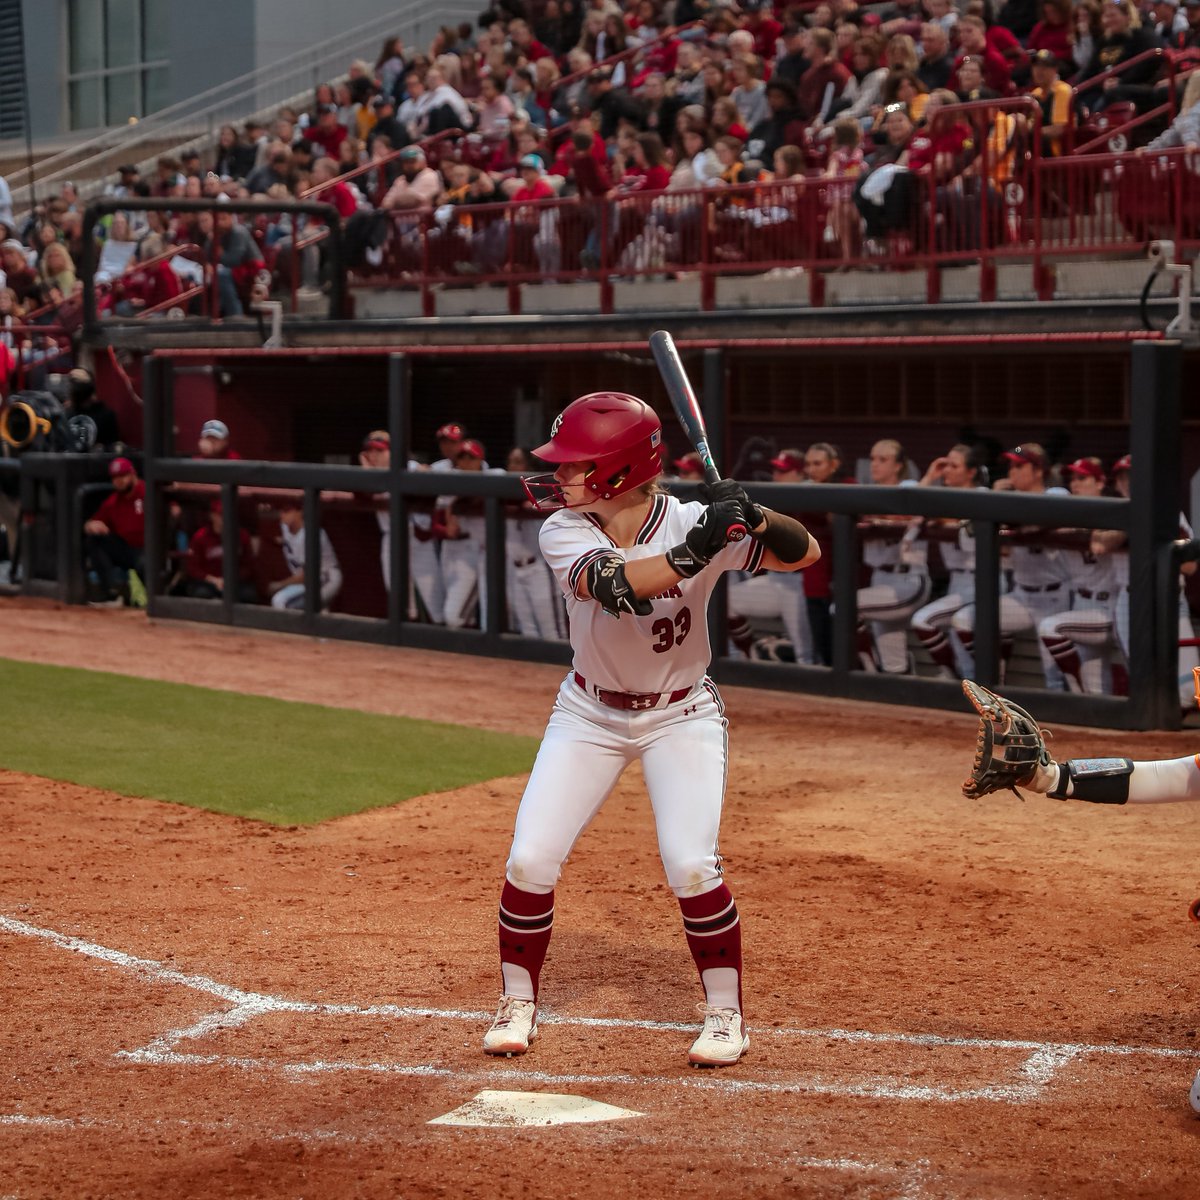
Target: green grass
{"type": "Point", "coordinates": [271, 760]}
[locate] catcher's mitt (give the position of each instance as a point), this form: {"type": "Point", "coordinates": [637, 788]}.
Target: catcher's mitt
{"type": "Point", "coordinates": [1009, 748]}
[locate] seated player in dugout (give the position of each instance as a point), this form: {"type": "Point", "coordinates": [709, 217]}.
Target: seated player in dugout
{"type": "Point", "coordinates": [1011, 752]}
{"type": "Point", "coordinates": [636, 568]}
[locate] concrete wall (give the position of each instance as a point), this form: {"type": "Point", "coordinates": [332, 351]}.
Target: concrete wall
{"type": "Point", "coordinates": [46, 59]}
{"type": "Point", "coordinates": [285, 27]}
{"type": "Point", "coordinates": [210, 43]}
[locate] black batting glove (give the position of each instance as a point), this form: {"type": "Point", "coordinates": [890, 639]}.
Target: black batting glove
{"type": "Point", "coordinates": [706, 538]}
{"type": "Point", "coordinates": [732, 491]}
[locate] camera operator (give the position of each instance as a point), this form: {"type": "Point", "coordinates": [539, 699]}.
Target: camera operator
{"type": "Point", "coordinates": [80, 399]}
{"type": "Point", "coordinates": [115, 537]}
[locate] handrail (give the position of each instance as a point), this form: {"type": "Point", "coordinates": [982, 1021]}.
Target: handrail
{"type": "Point", "coordinates": [171, 302]}
{"type": "Point", "coordinates": [1167, 109]}
{"type": "Point", "coordinates": [1090, 84]}
{"type": "Point", "coordinates": [628, 52]}
{"type": "Point", "coordinates": [363, 168]}
{"type": "Point", "coordinates": [242, 91]}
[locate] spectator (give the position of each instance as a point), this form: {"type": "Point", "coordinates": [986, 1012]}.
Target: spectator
{"type": "Point", "coordinates": [462, 522]}
{"type": "Point", "coordinates": [822, 464]}
{"type": "Point", "coordinates": [972, 42]}
{"type": "Point", "coordinates": [189, 164]}
{"type": "Point", "coordinates": [660, 109]}
{"type": "Point", "coordinates": [1183, 131]}
{"type": "Point", "coordinates": [410, 114]}
{"type": "Point", "coordinates": [128, 178]}
{"type": "Point", "coordinates": [900, 53]}
{"type": "Point", "coordinates": [862, 95]}
{"type": "Point", "coordinates": [843, 224]}
{"type": "Point", "coordinates": [494, 109]}
{"type": "Point", "coordinates": [902, 16]}
{"type": "Point", "coordinates": [233, 159]}
{"type": "Point", "coordinates": [794, 62]}
{"type": "Point", "coordinates": [145, 286]}
{"type": "Point", "coordinates": [937, 63]}
{"type": "Point", "coordinates": [338, 194]}
{"type": "Point", "coordinates": [1124, 37]}
{"type": "Point", "coordinates": [214, 442]}
{"type": "Point", "coordinates": [970, 81]}
{"type": "Point", "coordinates": [205, 566]}
{"type": "Point", "coordinates": [611, 104]}
{"type": "Point", "coordinates": [115, 537]}
{"type": "Point", "coordinates": [1053, 31]}
{"type": "Point", "coordinates": [18, 274]}
{"type": "Point", "coordinates": [1087, 32]}
{"type": "Point", "coordinates": [57, 269]}
{"type": "Point", "coordinates": [288, 593]}
{"type": "Point", "coordinates": [1054, 98]}
{"type": "Point", "coordinates": [1017, 17]}
{"type": "Point", "coordinates": [387, 126]}
{"type": "Point", "coordinates": [390, 67]}
{"type": "Point", "coordinates": [761, 23]}
{"type": "Point", "coordinates": [688, 79]}
{"type": "Point", "coordinates": [240, 266]}
{"type": "Point", "coordinates": [277, 169]}
{"type": "Point", "coordinates": [524, 43]}
{"type": "Point", "coordinates": [329, 133]}
{"type": "Point", "coordinates": [726, 121]}
{"type": "Point", "coordinates": [749, 92]}
{"type": "Point", "coordinates": [824, 81]}
{"type": "Point", "coordinates": [885, 194]}
{"type": "Point", "coordinates": [443, 107]}
{"type": "Point", "coordinates": [782, 126]}
{"type": "Point", "coordinates": [418, 184]}
{"type": "Point", "coordinates": [524, 98]}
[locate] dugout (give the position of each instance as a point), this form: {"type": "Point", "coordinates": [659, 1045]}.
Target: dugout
{"type": "Point", "coordinates": [299, 417]}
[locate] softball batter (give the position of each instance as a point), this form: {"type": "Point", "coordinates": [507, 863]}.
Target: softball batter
{"type": "Point", "coordinates": [636, 568]}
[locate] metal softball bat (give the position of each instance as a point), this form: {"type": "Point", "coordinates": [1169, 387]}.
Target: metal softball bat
{"type": "Point", "coordinates": [687, 409]}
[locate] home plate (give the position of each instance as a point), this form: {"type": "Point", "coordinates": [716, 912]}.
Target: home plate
{"type": "Point", "coordinates": [500, 1109]}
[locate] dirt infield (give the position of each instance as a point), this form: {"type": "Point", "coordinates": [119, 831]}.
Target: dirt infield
{"type": "Point", "coordinates": [945, 999]}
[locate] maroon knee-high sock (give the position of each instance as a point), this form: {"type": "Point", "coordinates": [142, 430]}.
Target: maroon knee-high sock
{"type": "Point", "coordinates": [714, 931]}
{"type": "Point", "coordinates": [526, 922]}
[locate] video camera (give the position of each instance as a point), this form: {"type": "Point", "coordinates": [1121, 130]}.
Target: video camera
{"type": "Point", "coordinates": [38, 421]}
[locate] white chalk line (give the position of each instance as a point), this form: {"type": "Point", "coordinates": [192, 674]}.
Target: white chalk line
{"type": "Point", "coordinates": [1034, 1074]}
{"type": "Point", "coordinates": [223, 1128]}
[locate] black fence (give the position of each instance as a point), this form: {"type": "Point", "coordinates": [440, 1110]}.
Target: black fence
{"type": "Point", "coordinates": [1149, 520]}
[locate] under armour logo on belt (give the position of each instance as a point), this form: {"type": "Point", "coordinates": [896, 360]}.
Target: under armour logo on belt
{"type": "Point", "coordinates": [643, 702]}
{"type": "Point", "coordinates": [687, 712]}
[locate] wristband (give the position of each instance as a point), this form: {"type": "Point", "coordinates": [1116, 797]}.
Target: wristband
{"type": "Point", "coordinates": [785, 537]}
{"type": "Point", "coordinates": [683, 562]}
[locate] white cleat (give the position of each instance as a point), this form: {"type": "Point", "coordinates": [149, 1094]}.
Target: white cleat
{"type": "Point", "coordinates": [513, 1029]}
{"type": "Point", "coordinates": [1194, 1094]}
{"type": "Point", "coordinates": [722, 1041]}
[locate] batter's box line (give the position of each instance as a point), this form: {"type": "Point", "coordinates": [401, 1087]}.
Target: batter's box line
{"type": "Point", "coordinates": [1033, 1075]}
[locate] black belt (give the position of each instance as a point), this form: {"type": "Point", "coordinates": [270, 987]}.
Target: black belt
{"type": "Point", "coordinates": [1045, 587]}
{"type": "Point", "coordinates": [1089, 595]}
{"type": "Point", "coordinates": [898, 569]}
{"type": "Point", "coordinates": [629, 701]}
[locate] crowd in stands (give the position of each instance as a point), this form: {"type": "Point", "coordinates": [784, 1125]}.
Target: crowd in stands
{"type": "Point", "coordinates": [600, 101]}
{"type": "Point", "coordinates": [1065, 590]}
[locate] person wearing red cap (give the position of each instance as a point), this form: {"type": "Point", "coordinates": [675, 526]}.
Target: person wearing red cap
{"type": "Point", "coordinates": [461, 521]}
{"type": "Point", "coordinates": [1114, 544]}
{"type": "Point", "coordinates": [1080, 638]}
{"type": "Point", "coordinates": [689, 468]}
{"type": "Point", "coordinates": [535, 604]}
{"type": "Point", "coordinates": [1039, 572]}
{"type": "Point", "coordinates": [424, 547]}
{"type": "Point", "coordinates": [777, 595]}
{"type": "Point", "coordinates": [115, 536]}
{"type": "Point", "coordinates": [205, 566]}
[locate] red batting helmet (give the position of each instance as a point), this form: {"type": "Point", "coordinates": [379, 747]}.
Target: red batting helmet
{"type": "Point", "coordinates": [620, 435]}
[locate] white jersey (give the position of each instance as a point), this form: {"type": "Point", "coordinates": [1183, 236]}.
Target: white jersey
{"type": "Point", "coordinates": [666, 651]}
{"type": "Point", "coordinates": [958, 556]}
{"type": "Point", "coordinates": [293, 553]}
{"type": "Point", "coordinates": [1094, 573]}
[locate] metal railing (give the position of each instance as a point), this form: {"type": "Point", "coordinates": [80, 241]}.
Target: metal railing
{"type": "Point", "coordinates": [256, 94]}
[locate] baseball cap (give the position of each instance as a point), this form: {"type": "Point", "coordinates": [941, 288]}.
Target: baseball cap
{"type": "Point", "coordinates": [689, 462]}
{"type": "Point", "coordinates": [411, 152]}
{"type": "Point", "coordinates": [1045, 58]}
{"type": "Point", "coordinates": [452, 431]}
{"type": "Point", "coordinates": [472, 449]}
{"type": "Point", "coordinates": [1031, 452]}
{"type": "Point", "coordinates": [214, 429]}
{"type": "Point", "coordinates": [1093, 468]}
{"type": "Point", "coordinates": [1125, 462]}
{"type": "Point", "coordinates": [383, 100]}
{"type": "Point", "coordinates": [530, 162]}
{"type": "Point", "coordinates": [120, 466]}
{"type": "Point", "coordinates": [788, 460]}
{"type": "Point", "coordinates": [128, 169]}
{"type": "Point", "coordinates": [377, 439]}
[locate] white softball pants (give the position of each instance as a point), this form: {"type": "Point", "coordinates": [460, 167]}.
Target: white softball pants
{"type": "Point", "coordinates": [683, 749]}
{"type": "Point", "coordinates": [1189, 656]}
{"type": "Point", "coordinates": [292, 596]}
{"type": "Point", "coordinates": [776, 594]}
{"type": "Point", "coordinates": [1019, 611]}
{"type": "Point", "coordinates": [462, 573]}
{"type": "Point", "coordinates": [1086, 631]}
{"type": "Point", "coordinates": [535, 602]}
{"type": "Point", "coordinates": [425, 572]}
{"type": "Point", "coordinates": [931, 623]}
{"type": "Point", "coordinates": [887, 606]}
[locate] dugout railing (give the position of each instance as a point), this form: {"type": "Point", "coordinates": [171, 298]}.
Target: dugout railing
{"type": "Point", "coordinates": [1149, 519]}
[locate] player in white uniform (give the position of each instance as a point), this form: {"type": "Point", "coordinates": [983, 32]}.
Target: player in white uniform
{"type": "Point", "coordinates": [777, 595]}
{"type": "Point", "coordinates": [461, 522]}
{"type": "Point", "coordinates": [1039, 573]}
{"type": "Point", "coordinates": [424, 547]}
{"type": "Point", "coordinates": [535, 604]}
{"type": "Point", "coordinates": [289, 592]}
{"type": "Point", "coordinates": [1080, 640]}
{"type": "Point", "coordinates": [958, 468]}
{"type": "Point", "coordinates": [1114, 544]}
{"type": "Point", "coordinates": [636, 567]}
{"type": "Point", "coordinates": [899, 585]}
{"type": "Point", "coordinates": [376, 453]}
